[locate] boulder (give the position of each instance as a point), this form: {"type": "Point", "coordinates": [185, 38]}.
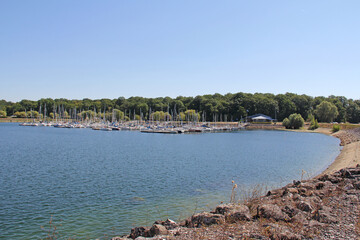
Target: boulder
{"type": "Point", "coordinates": [315, 224]}
{"type": "Point", "coordinates": [324, 178]}
{"type": "Point", "coordinates": [345, 173]}
{"type": "Point", "coordinates": [293, 190]}
{"type": "Point", "coordinates": [324, 217]}
{"type": "Point", "coordinates": [319, 185]}
{"type": "Point", "coordinates": [307, 185]}
{"type": "Point", "coordinates": [356, 185]}
{"type": "Point", "coordinates": [290, 211]}
{"type": "Point", "coordinates": [349, 186]}
{"type": "Point", "coordinates": [271, 211]}
{"type": "Point", "coordinates": [139, 232]}
{"type": "Point", "coordinates": [205, 219]}
{"type": "Point", "coordinates": [223, 208]}
{"type": "Point", "coordinates": [304, 206]}
{"type": "Point", "coordinates": [157, 229]}
{"type": "Point", "coordinates": [287, 235]}
{"type": "Point", "coordinates": [299, 218]}
{"type": "Point", "coordinates": [170, 224]}
{"type": "Point", "coordinates": [238, 213]}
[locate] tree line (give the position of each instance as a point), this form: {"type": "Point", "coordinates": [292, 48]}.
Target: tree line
{"type": "Point", "coordinates": [210, 107]}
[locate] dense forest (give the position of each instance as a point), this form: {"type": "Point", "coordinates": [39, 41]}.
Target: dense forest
{"type": "Point", "coordinates": [216, 107]}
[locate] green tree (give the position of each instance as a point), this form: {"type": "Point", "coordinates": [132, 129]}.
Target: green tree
{"type": "Point", "coordinates": [286, 123]}
{"type": "Point", "coordinates": [295, 121]}
{"type": "Point", "coordinates": [160, 116]}
{"type": "Point", "coordinates": [353, 112]}
{"type": "Point", "coordinates": [286, 106]}
{"type": "Point", "coordinates": [302, 103]}
{"type": "Point", "coordinates": [326, 111]}
{"type": "Point", "coordinates": [191, 115]}
{"type": "Point", "coordinates": [2, 114]}
{"type": "Point", "coordinates": [20, 114]}
{"type": "Point", "coordinates": [119, 115]}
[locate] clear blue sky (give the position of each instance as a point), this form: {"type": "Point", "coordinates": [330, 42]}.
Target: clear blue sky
{"type": "Point", "coordinates": [112, 48]}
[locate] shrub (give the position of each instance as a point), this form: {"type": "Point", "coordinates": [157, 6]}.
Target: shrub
{"type": "Point", "coordinates": [335, 128]}
{"type": "Point", "coordinates": [2, 114]}
{"type": "Point", "coordinates": [295, 121]}
{"type": "Point", "coordinates": [286, 123]}
{"type": "Point", "coordinates": [313, 124]}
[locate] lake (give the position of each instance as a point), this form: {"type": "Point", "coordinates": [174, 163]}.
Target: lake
{"type": "Point", "coordinates": [96, 184]}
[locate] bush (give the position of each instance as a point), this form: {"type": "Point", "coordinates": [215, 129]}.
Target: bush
{"type": "Point", "coordinates": [295, 121]}
{"type": "Point", "coordinates": [286, 123]}
{"type": "Point", "coordinates": [335, 128]}
{"type": "Point", "coordinates": [314, 124]}
{"type": "Point", "coordinates": [2, 114]}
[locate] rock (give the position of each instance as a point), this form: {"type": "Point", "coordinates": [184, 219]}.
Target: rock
{"type": "Point", "coordinates": [345, 173]}
{"type": "Point", "coordinates": [223, 208]}
{"type": "Point", "coordinates": [307, 185]}
{"type": "Point", "coordinates": [274, 192]}
{"type": "Point", "coordinates": [293, 190]}
{"type": "Point", "coordinates": [302, 190]}
{"type": "Point", "coordinates": [325, 208]}
{"type": "Point", "coordinates": [157, 229]}
{"type": "Point", "coordinates": [356, 185]}
{"type": "Point", "coordinates": [319, 185]}
{"type": "Point", "coordinates": [159, 222]}
{"type": "Point", "coordinates": [351, 192]}
{"type": "Point", "coordinates": [286, 235]}
{"type": "Point", "coordinates": [119, 238]}
{"type": "Point", "coordinates": [335, 180]}
{"type": "Point", "coordinates": [299, 218]}
{"type": "Point", "coordinates": [289, 191]}
{"type": "Point", "coordinates": [170, 224]}
{"type": "Point", "coordinates": [296, 183]}
{"type": "Point", "coordinates": [324, 217]}
{"type": "Point", "coordinates": [290, 211]}
{"type": "Point", "coordinates": [205, 219]}
{"type": "Point", "coordinates": [355, 171]}
{"type": "Point", "coordinates": [315, 224]}
{"type": "Point", "coordinates": [139, 232]}
{"type": "Point", "coordinates": [353, 199]}
{"type": "Point", "coordinates": [348, 186]}
{"type": "Point", "coordinates": [304, 206]}
{"type": "Point", "coordinates": [238, 213]}
{"type": "Point", "coordinates": [271, 211]}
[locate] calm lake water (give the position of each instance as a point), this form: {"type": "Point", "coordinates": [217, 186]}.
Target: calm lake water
{"type": "Point", "coordinates": [98, 184]}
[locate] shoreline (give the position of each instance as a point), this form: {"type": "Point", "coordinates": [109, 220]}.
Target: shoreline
{"type": "Point", "coordinates": [349, 156]}
{"type": "Point", "coordinates": [312, 206]}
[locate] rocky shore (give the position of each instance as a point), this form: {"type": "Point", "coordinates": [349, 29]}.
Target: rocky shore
{"type": "Point", "coordinates": [324, 207]}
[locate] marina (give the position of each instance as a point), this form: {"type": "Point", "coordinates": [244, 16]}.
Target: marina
{"type": "Point", "coordinates": [143, 126]}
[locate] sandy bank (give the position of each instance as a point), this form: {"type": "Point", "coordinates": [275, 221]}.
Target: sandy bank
{"type": "Point", "coordinates": [350, 154]}
{"type": "Point", "coordinates": [348, 157]}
